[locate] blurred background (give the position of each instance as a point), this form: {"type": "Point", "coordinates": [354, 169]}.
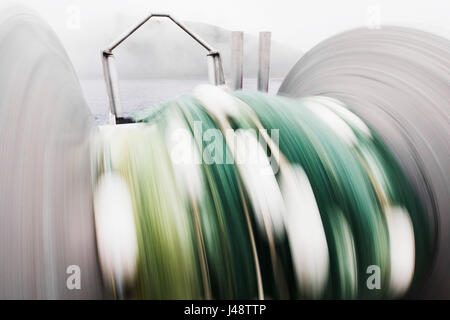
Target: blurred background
{"type": "Point", "coordinates": [159, 50]}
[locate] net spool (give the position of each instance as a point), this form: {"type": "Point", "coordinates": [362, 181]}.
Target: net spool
{"type": "Point", "coordinates": [298, 215]}
{"type": "Point", "coordinates": [46, 215]}
{"type": "Point", "coordinates": [229, 195]}
{"type": "Point", "coordinates": [397, 80]}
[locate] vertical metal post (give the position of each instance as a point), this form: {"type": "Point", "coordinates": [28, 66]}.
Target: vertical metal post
{"type": "Point", "coordinates": [215, 69]}
{"type": "Point", "coordinates": [112, 86]}
{"type": "Point", "coordinates": [237, 57]}
{"type": "Point", "coordinates": [264, 61]}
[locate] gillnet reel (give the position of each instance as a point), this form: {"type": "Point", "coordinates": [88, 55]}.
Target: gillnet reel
{"type": "Point", "coordinates": [228, 195]}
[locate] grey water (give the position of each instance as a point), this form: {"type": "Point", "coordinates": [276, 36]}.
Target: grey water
{"type": "Point", "coordinates": [140, 94]}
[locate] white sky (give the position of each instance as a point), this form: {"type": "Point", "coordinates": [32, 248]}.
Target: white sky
{"type": "Point", "coordinates": [301, 23]}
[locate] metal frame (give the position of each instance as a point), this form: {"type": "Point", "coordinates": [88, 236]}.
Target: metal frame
{"type": "Point", "coordinates": [215, 68]}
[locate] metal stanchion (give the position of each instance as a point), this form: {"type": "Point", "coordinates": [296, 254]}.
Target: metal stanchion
{"type": "Point", "coordinates": [237, 57]}
{"type": "Point", "coordinates": [264, 61]}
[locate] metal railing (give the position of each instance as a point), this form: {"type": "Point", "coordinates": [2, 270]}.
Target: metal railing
{"type": "Point", "coordinates": [214, 60]}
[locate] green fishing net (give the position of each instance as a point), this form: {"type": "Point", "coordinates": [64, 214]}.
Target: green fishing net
{"type": "Point", "coordinates": [245, 195]}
